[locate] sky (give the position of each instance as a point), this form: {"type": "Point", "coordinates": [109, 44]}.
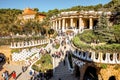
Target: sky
{"type": "Point", "coordinates": [45, 5]}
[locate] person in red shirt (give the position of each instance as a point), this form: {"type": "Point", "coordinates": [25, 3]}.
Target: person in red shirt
{"type": "Point", "coordinates": [14, 75]}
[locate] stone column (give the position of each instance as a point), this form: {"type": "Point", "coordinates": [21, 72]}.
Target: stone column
{"type": "Point", "coordinates": [56, 25]}
{"type": "Point", "coordinates": [71, 22]}
{"type": "Point", "coordinates": [66, 24]}
{"type": "Point", "coordinates": [53, 24]}
{"type": "Point", "coordinates": [80, 23]}
{"type": "Point", "coordinates": [91, 23]}
{"type": "Point", "coordinates": [59, 24]}
{"type": "Point", "coordinates": [63, 24]}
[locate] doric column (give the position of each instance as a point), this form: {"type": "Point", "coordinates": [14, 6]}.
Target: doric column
{"type": "Point", "coordinates": [63, 24]}
{"type": "Point", "coordinates": [91, 23]}
{"type": "Point", "coordinates": [59, 24]}
{"type": "Point", "coordinates": [56, 25]}
{"type": "Point", "coordinates": [53, 24]}
{"type": "Point", "coordinates": [71, 22]}
{"type": "Point", "coordinates": [80, 23]}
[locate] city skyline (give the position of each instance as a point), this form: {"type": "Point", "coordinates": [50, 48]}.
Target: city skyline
{"type": "Point", "coordinates": [48, 5]}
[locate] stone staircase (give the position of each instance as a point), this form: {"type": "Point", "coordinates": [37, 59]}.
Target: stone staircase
{"type": "Point", "coordinates": [61, 71]}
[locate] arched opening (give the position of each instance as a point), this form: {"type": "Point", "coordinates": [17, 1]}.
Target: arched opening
{"type": "Point", "coordinates": [79, 52]}
{"type": "Point", "coordinates": [118, 57]}
{"type": "Point", "coordinates": [96, 55]}
{"type": "Point", "coordinates": [90, 54]}
{"type": "Point", "coordinates": [90, 74]}
{"type": "Point", "coordinates": [112, 78]}
{"type": "Point", "coordinates": [77, 71]}
{"type": "Point", "coordinates": [111, 57]}
{"type": "Point", "coordinates": [84, 54]}
{"type": "Point", "coordinates": [104, 56]}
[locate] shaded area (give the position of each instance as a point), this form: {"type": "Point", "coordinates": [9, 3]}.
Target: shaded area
{"type": "Point", "coordinates": [2, 60]}
{"type": "Point", "coordinates": [77, 71]}
{"type": "Point", "coordinates": [112, 78]}
{"type": "Point", "coordinates": [91, 74]}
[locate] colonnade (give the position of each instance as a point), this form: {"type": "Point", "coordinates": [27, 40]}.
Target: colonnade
{"type": "Point", "coordinates": [72, 23]}
{"type": "Point", "coordinates": [76, 20]}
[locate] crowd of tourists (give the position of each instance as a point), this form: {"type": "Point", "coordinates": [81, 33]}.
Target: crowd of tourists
{"type": "Point", "coordinates": [7, 76]}
{"type": "Point", "coordinates": [40, 75]}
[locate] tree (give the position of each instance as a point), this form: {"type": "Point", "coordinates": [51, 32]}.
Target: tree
{"type": "Point", "coordinates": [102, 29]}
{"type": "Point", "coordinates": [51, 31]}
{"type": "Point", "coordinates": [36, 9]}
{"type": "Point", "coordinates": [115, 17]}
{"type": "Point", "coordinates": [116, 32]}
{"type": "Point", "coordinates": [43, 31]}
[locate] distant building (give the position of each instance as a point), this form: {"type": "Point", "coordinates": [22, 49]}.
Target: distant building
{"type": "Point", "coordinates": [29, 13]}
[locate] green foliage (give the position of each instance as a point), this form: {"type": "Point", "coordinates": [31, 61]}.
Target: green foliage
{"type": "Point", "coordinates": [7, 18]}
{"type": "Point", "coordinates": [87, 36]}
{"type": "Point", "coordinates": [102, 22]}
{"type": "Point", "coordinates": [116, 32]}
{"type": "Point", "coordinates": [81, 41]}
{"type": "Point", "coordinates": [117, 67]}
{"type": "Point", "coordinates": [15, 51]}
{"type": "Point", "coordinates": [80, 44]}
{"type": "Point", "coordinates": [104, 66]}
{"type": "Point", "coordinates": [45, 63]}
{"type": "Point", "coordinates": [109, 48]}
{"type": "Point", "coordinates": [57, 46]}
{"type": "Point", "coordinates": [51, 31]}
{"type": "Point", "coordinates": [30, 56]}
{"type": "Point", "coordinates": [36, 9]}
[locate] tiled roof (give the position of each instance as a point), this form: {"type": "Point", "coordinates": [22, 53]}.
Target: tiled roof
{"type": "Point", "coordinates": [28, 11]}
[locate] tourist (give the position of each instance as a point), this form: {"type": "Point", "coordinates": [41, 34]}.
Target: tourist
{"type": "Point", "coordinates": [6, 75]}
{"type": "Point", "coordinates": [59, 79]}
{"type": "Point", "coordinates": [35, 75]}
{"type": "Point", "coordinates": [23, 68]}
{"type": "Point", "coordinates": [3, 75]}
{"type": "Point", "coordinates": [14, 75]}
{"type": "Point", "coordinates": [31, 74]}
{"type": "Point", "coordinates": [64, 62]}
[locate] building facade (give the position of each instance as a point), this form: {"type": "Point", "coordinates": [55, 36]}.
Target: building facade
{"type": "Point", "coordinates": [29, 13]}
{"type": "Point", "coordinates": [77, 20]}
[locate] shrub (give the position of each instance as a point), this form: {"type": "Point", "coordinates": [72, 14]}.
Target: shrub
{"type": "Point", "coordinates": [57, 46]}
{"type": "Point", "coordinates": [15, 51]}
{"type": "Point", "coordinates": [103, 66]}
{"type": "Point", "coordinates": [44, 64]}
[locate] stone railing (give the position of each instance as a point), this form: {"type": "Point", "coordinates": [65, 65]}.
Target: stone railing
{"type": "Point", "coordinates": [28, 43]}
{"type": "Point", "coordinates": [107, 58]}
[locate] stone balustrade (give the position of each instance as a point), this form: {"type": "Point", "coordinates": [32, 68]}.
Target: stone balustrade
{"type": "Point", "coordinates": [28, 43]}
{"type": "Point", "coordinates": [106, 58]}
